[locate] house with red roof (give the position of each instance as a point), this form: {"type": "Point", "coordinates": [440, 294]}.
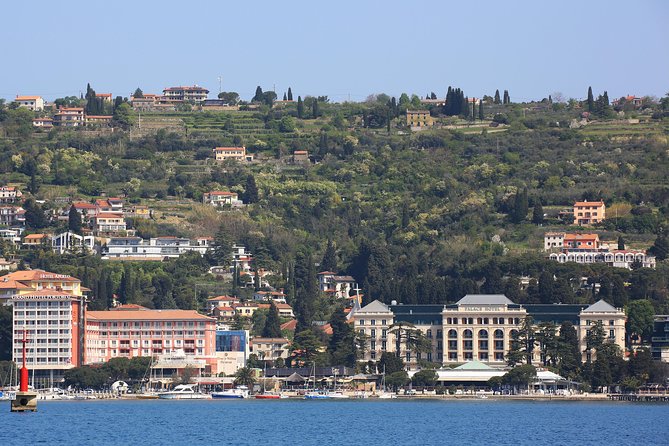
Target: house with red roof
{"type": "Point", "coordinates": [218, 198]}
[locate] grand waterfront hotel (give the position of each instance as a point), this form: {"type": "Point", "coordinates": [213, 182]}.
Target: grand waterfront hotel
{"type": "Point", "coordinates": [477, 327]}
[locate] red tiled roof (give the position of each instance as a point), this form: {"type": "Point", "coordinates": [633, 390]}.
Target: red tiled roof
{"type": "Point", "coordinates": [290, 325]}
{"type": "Point", "coordinates": [109, 215]}
{"type": "Point", "coordinates": [128, 307]}
{"type": "Point", "coordinates": [217, 192]}
{"type": "Point", "coordinates": [39, 274]}
{"type": "Point", "coordinates": [223, 298]}
{"type": "Point", "coordinates": [589, 203]}
{"type": "Point", "coordinates": [83, 205]}
{"type": "Point", "coordinates": [154, 315]}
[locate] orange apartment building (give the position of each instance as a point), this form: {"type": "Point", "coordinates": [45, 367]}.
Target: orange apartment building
{"type": "Point", "coordinates": [48, 307]}
{"type": "Point", "coordinates": [589, 212]}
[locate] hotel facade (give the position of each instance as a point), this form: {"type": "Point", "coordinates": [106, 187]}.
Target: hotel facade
{"type": "Point", "coordinates": [476, 328]}
{"type": "Point", "coordinates": [48, 309]}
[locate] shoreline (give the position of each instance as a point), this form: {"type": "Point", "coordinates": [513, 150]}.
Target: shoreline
{"type": "Point", "coordinates": [627, 398]}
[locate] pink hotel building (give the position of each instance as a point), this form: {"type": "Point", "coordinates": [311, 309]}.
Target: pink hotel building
{"type": "Point", "coordinates": [132, 330]}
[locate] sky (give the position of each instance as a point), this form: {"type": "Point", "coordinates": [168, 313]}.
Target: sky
{"type": "Point", "coordinates": [344, 49]}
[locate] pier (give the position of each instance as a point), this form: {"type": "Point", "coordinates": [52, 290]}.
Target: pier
{"type": "Point", "coordinates": [639, 397]}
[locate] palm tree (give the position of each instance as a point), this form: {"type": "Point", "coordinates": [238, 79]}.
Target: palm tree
{"type": "Point", "coordinates": [245, 377]}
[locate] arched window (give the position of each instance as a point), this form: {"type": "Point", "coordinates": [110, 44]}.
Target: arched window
{"type": "Point", "coordinates": [483, 334]}
{"type": "Point", "coordinates": [499, 334]}
{"type": "Point", "coordinates": [468, 334]}
{"type": "Point", "coordinates": [514, 334]}
{"type": "Point", "coordinates": [452, 334]}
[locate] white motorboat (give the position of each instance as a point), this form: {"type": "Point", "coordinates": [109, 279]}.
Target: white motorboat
{"type": "Point", "coordinates": [183, 392]}
{"type": "Point", "coordinates": [238, 392]}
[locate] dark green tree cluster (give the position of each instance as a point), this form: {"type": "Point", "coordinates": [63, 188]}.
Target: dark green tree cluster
{"type": "Point", "coordinates": [456, 103]}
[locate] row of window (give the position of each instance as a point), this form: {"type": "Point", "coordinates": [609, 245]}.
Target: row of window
{"type": "Point", "coordinates": [482, 334]}
{"type": "Point", "coordinates": [372, 322]}
{"type": "Point", "coordinates": [150, 324]}
{"type": "Point", "coordinates": [482, 321]}
{"type": "Point", "coordinates": [159, 334]}
{"type": "Point", "coordinates": [41, 304]}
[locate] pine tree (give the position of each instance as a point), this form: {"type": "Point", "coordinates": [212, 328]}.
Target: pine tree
{"type": "Point", "coordinates": [342, 345]}
{"type": "Point", "coordinates": [497, 100]}
{"type": "Point", "coordinates": [481, 114]}
{"type": "Point", "coordinates": [538, 213]}
{"type": "Point", "coordinates": [251, 191]}
{"type": "Point", "coordinates": [290, 94]}
{"type": "Point", "coordinates": [35, 218]}
{"type": "Point", "coordinates": [591, 100]}
{"type": "Point", "coordinates": [569, 353]}
{"type": "Point", "coordinates": [138, 93]}
{"type": "Point", "coordinates": [272, 328]}
{"type": "Point", "coordinates": [300, 107]}
{"type": "Point", "coordinates": [329, 262]}
{"type": "Point", "coordinates": [74, 220]}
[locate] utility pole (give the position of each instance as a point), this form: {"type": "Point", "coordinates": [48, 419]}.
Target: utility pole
{"type": "Point", "coordinates": [220, 84]}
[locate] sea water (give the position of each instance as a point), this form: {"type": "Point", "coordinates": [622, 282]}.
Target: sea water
{"type": "Point", "coordinates": [329, 423]}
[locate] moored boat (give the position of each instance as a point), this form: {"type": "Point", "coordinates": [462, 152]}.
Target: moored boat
{"type": "Point", "coordinates": [238, 392]}
{"type": "Point", "coordinates": [183, 392]}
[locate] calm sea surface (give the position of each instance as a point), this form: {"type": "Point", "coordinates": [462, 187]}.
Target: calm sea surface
{"type": "Point", "coordinates": [326, 423]}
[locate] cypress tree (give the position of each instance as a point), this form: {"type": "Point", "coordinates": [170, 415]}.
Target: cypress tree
{"type": "Point", "coordinates": [74, 220]}
{"type": "Point", "coordinates": [300, 107]}
{"type": "Point", "coordinates": [258, 96]}
{"type": "Point", "coordinates": [329, 262]}
{"type": "Point", "coordinates": [272, 328]}
{"type": "Point", "coordinates": [497, 99]}
{"type": "Point", "coordinates": [660, 248]}
{"type": "Point", "coordinates": [285, 98]}
{"type": "Point", "coordinates": [591, 100]}
{"type": "Point", "coordinates": [507, 98]}
{"type": "Point", "coordinates": [621, 242]}
{"type": "Point", "coordinates": [222, 252]}
{"type": "Point", "coordinates": [538, 213]}
{"type": "Point", "coordinates": [520, 207]}
{"type": "Point", "coordinates": [481, 114]}
{"type": "Point", "coordinates": [315, 109]}
{"type": "Point", "coordinates": [251, 191]}
{"type": "Point", "coordinates": [290, 94]}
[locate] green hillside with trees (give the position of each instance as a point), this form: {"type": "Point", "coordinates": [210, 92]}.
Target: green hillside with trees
{"type": "Point", "coordinates": [416, 217]}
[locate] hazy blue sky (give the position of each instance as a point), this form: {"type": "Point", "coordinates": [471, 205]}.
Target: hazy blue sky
{"type": "Point", "coordinates": [336, 48]}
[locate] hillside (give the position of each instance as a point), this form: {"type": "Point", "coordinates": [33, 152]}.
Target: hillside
{"type": "Point", "coordinates": [415, 216]}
